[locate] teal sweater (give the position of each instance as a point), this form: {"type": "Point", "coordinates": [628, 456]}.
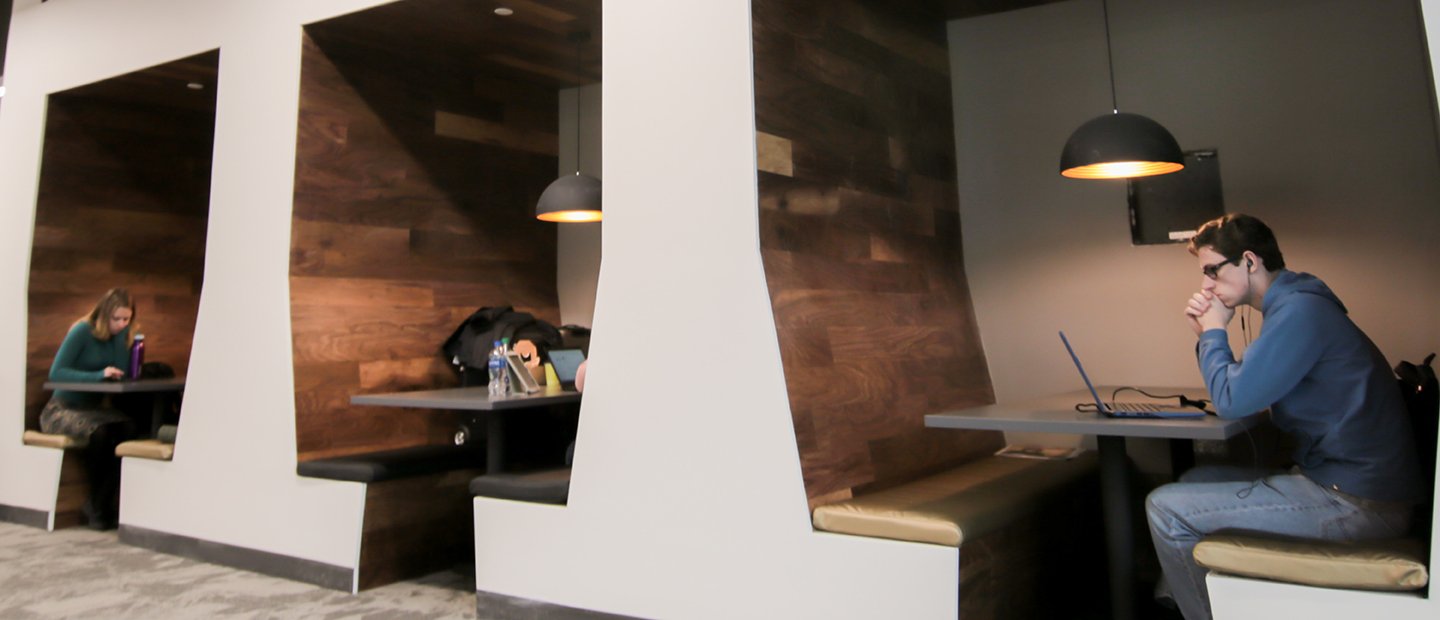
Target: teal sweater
{"type": "Point", "coordinates": [83, 357]}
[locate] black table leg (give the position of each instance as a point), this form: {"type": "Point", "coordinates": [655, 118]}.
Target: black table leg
{"type": "Point", "coordinates": [494, 442]}
{"type": "Point", "coordinates": [1119, 547]}
{"type": "Point", "coordinates": [1182, 456]}
{"type": "Point", "coordinates": [157, 414]}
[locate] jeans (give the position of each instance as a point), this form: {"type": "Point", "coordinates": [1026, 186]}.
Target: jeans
{"type": "Point", "coordinates": [1209, 499]}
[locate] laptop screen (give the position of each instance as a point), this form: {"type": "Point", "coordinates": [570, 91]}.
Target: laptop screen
{"type": "Point", "coordinates": [566, 362]}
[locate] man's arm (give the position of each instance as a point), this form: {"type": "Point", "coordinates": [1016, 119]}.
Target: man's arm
{"type": "Point", "coordinates": [1274, 364]}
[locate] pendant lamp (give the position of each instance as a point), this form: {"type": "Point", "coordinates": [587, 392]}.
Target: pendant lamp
{"type": "Point", "coordinates": [1119, 145]}
{"type": "Point", "coordinates": [573, 197]}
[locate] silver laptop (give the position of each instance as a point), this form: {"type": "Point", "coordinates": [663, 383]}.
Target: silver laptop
{"type": "Point", "coordinates": [1130, 410]}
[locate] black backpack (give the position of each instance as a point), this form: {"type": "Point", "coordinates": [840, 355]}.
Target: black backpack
{"type": "Point", "coordinates": [468, 349]}
{"type": "Point", "coordinates": [1422, 399]}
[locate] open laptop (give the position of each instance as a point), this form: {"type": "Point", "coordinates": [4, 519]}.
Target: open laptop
{"type": "Point", "coordinates": [566, 363]}
{"type": "Point", "coordinates": [1130, 410]}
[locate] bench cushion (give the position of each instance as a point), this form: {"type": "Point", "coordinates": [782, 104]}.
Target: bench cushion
{"type": "Point", "coordinates": [549, 486]}
{"type": "Point", "coordinates": [146, 449]}
{"type": "Point", "coordinates": [59, 442]}
{"type": "Point", "coordinates": [1395, 565]}
{"type": "Point", "coordinates": [392, 464]}
{"type": "Point", "coordinates": [947, 508]}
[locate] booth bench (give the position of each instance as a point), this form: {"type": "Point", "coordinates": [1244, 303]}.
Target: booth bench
{"type": "Point", "coordinates": [417, 516]}
{"type": "Point", "coordinates": [74, 487]}
{"type": "Point", "coordinates": [1014, 521]}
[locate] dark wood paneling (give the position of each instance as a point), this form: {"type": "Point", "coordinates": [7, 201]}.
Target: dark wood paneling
{"type": "Point", "coordinates": [961, 9]}
{"type": "Point", "coordinates": [124, 200]}
{"type": "Point", "coordinates": [1050, 549]}
{"type": "Point", "coordinates": [399, 233]}
{"type": "Point", "coordinates": [435, 37]}
{"type": "Point", "coordinates": [860, 236]}
{"type": "Point", "coordinates": [416, 526]}
{"type": "Point", "coordinates": [74, 490]}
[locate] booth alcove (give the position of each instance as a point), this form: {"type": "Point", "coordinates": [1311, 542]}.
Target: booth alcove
{"type": "Point", "coordinates": [123, 201]}
{"type": "Point", "coordinates": [860, 239]}
{"type": "Point", "coordinates": [427, 131]}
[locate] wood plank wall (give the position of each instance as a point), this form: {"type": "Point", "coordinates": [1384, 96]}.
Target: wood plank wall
{"type": "Point", "coordinates": [124, 200]}
{"type": "Point", "coordinates": [400, 233]}
{"type": "Point", "coordinates": [860, 236]}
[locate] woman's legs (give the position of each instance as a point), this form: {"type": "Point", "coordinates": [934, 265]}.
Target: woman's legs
{"type": "Point", "coordinates": [103, 469]}
{"type": "Point", "coordinates": [103, 429]}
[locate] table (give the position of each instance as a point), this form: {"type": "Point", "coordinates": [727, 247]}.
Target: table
{"type": "Point", "coordinates": [1057, 414]}
{"type": "Point", "coordinates": [133, 386]}
{"type": "Point", "coordinates": [474, 399]}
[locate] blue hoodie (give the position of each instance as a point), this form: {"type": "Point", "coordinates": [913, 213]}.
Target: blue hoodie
{"type": "Point", "coordinates": [1326, 385]}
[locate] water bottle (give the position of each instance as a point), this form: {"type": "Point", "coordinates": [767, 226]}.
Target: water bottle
{"type": "Point", "coordinates": [137, 356]}
{"type": "Point", "coordinates": [499, 378]}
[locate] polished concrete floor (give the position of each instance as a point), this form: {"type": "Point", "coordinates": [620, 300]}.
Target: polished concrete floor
{"type": "Point", "coordinates": [78, 573]}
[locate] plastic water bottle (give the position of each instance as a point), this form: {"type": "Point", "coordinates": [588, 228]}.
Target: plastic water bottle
{"type": "Point", "coordinates": [499, 374]}
{"type": "Point", "coordinates": [137, 356]}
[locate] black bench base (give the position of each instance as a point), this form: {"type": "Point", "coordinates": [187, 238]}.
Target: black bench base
{"type": "Point", "coordinates": [548, 486]}
{"type": "Point", "coordinates": [418, 516]}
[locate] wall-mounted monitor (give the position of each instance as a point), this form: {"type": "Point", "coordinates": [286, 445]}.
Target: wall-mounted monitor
{"type": "Point", "coordinates": [1169, 207]}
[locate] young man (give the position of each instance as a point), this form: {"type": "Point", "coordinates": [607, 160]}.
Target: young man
{"type": "Point", "coordinates": [1356, 475]}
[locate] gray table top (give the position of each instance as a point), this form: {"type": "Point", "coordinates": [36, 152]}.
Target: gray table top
{"type": "Point", "coordinates": [466, 399]}
{"type": "Point", "coordinates": [174, 384]}
{"type": "Point", "coordinates": [1057, 414]}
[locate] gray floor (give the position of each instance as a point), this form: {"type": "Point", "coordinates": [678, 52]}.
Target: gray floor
{"type": "Point", "coordinates": [79, 573]}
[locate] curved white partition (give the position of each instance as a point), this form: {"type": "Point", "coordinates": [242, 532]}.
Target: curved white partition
{"type": "Point", "coordinates": [232, 483]}
{"type": "Point", "coordinates": [686, 497]}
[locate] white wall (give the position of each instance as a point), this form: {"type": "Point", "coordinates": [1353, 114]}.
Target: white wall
{"type": "Point", "coordinates": [1320, 110]}
{"type": "Point", "coordinates": [687, 499]}
{"type": "Point", "coordinates": [579, 244]}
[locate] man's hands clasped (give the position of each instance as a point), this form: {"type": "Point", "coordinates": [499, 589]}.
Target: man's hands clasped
{"type": "Point", "coordinates": [1204, 312]}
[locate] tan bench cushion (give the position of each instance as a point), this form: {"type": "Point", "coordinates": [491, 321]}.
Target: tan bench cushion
{"type": "Point", "coordinates": [1380, 565]}
{"type": "Point", "coordinates": [146, 449]}
{"type": "Point", "coordinates": [59, 442]}
{"type": "Point", "coordinates": [947, 508]}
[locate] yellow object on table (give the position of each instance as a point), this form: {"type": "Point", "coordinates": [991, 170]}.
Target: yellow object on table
{"type": "Point", "coordinates": [550, 377]}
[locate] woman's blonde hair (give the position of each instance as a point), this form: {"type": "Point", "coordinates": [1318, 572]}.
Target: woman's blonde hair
{"type": "Point", "coordinates": [99, 318]}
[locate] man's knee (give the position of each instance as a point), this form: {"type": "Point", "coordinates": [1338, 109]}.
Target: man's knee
{"type": "Point", "coordinates": [1159, 503]}
{"type": "Point", "coordinates": [1166, 508]}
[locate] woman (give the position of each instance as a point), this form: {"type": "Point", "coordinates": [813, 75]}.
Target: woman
{"type": "Point", "coordinates": [96, 349]}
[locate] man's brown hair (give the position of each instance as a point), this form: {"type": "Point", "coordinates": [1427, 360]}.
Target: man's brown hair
{"type": "Point", "coordinates": [1231, 235]}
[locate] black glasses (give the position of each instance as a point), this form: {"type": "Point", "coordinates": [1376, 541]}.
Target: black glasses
{"type": "Point", "coordinates": [1213, 270]}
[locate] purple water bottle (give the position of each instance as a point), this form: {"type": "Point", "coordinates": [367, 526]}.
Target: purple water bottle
{"type": "Point", "coordinates": [137, 356]}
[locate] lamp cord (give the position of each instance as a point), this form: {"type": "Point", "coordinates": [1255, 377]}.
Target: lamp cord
{"type": "Point", "coordinates": [579, 70]}
{"type": "Point", "coordinates": [1109, 55]}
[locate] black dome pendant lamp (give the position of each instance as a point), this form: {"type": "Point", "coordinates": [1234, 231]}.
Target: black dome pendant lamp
{"type": "Point", "coordinates": [1119, 145]}
{"type": "Point", "coordinates": [573, 197]}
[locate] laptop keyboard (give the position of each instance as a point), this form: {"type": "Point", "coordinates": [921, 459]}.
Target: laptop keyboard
{"type": "Point", "coordinates": [1136, 407]}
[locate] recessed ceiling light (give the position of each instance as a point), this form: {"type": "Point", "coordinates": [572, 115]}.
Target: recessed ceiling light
{"type": "Point", "coordinates": [504, 11]}
{"type": "Point", "coordinates": [195, 86]}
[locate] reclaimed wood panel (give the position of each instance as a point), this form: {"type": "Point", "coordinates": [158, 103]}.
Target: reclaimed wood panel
{"type": "Point", "coordinates": [403, 224]}
{"type": "Point", "coordinates": [123, 200]}
{"type": "Point", "coordinates": [74, 490]}
{"type": "Point", "coordinates": [860, 237]}
{"type": "Point", "coordinates": [416, 526]}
